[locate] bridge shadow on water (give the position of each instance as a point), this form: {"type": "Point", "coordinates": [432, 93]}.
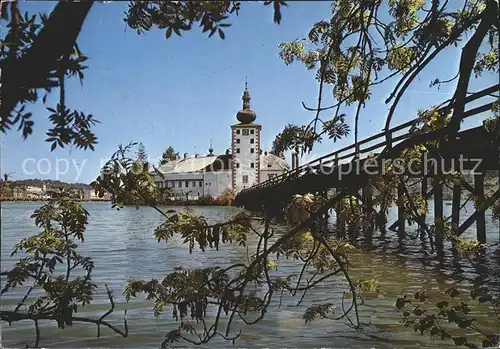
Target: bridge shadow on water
{"type": "Point", "coordinates": [414, 249]}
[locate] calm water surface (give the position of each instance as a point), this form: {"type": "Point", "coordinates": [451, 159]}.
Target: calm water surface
{"type": "Point", "coordinates": [122, 246]}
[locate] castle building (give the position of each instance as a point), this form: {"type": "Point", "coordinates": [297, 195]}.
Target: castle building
{"type": "Point", "coordinates": [242, 166]}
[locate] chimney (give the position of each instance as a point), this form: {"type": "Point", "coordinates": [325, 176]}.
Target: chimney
{"type": "Point", "coordinates": [185, 156]}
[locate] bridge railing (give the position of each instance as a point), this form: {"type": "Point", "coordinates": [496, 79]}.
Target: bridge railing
{"type": "Point", "coordinates": [366, 145]}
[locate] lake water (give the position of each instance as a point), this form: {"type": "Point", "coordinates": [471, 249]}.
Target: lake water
{"type": "Point", "coordinates": [122, 246]}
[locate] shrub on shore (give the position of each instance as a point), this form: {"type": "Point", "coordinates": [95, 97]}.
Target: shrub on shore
{"type": "Point", "coordinates": [226, 198]}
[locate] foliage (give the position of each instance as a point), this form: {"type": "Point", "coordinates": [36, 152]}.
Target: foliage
{"type": "Point", "coordinates": [141, 155]}
{"type": "Point", "coordinates": [168, 155]}
{"type": "Point", "coordinates": [40, 52]}
{"type": "Point", "coordinates": [303, 138]}
{"type": "Point", "coordinates": [206, 200]}
{"type": "Point", "coordinates": [363, 44]}
{"type": "Point", "coordinates": [49, 261]}
{"type": "Point", "coordinates": [176, 17]}
{"type": "Point", "coordinates": [127, 180]}
{"type": "Point", "coordinates": [19, 45]}
{"type": "Point", "coordinates": [51, 183]}
{"type": "Point", "coordinates": [398, 40]}
{"type": "Point", "coordinates": [451, 318]}
{"type": "Point", "coordinates": [226, 198]}
{"type": "Point", "coordinates": [230, 291]}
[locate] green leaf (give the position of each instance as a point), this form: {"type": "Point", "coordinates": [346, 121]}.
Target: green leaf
{"type": "Point", "coordinates": [221, 34]}
{"type": "Point", "coordinates": [460, 340]}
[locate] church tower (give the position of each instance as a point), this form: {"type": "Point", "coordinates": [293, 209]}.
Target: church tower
{"type": "Point", "coordinates": [245, 147]}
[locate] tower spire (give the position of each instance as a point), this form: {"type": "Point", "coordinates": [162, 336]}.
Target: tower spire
{"type": "Point", "coordinates": [246, 96]}
{"type": "Point", "coordinates": [246, 115]}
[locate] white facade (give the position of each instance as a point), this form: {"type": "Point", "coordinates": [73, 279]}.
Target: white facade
{"type": "Point", "coordinates": [192, 178]}
{"type": "Point", "coordinates": [217, 182]}
{"type": "Point", "coordinates": [245, 150]}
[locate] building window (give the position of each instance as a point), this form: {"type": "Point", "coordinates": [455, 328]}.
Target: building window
{"type": "Point", "coordinates": [237, 132]}
{"type": "Point", "coordinates": [201, 184]}
{"type": "Point", "coordinates": [237, 150]}
{"type": "Point", "coordinates": [252, 150]}
{"type": "Point", "coordinates": [245, 132]}
{"type": "Point", "coordinates": [179, 184]}
{"type": "Point", "coordinates": [269, 165]}
{"type": "Point", "coordinates": [237, 165]}
{"type": "Point", "coordinates": [251, 140]}
{"type": "Point", "coordinates": [251, 131]}
{"type": "Point", "coordinates": [237, 141]}
{"type": "Point", "coordinates": [186, 183]}
{"type": "Point", "coordinates": [245, 179]}
{"type": "Point", "coordinates": [193, 184]}
{"type": "Point", "coordinates": [252, 165]}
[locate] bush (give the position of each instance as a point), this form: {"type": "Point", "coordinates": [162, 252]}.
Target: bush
{"type": "Point", "coordinates": [226, 198]}
{"type": "Point", "coordinates": [206, 200]}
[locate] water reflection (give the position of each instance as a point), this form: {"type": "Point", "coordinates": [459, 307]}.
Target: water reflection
{"type": "Point", "coordinates": [123, 247]}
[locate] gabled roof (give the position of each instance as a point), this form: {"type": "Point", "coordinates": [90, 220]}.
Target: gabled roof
{"type": "Point", "coordinates": [221, 163]}
{"type": "Point", "coordinates": [197, 164]}
{"type": "Point", "coordinates": [275, 161]}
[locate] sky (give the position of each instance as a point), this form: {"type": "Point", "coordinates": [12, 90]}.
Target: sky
{"type": "Point", "coordinates": [185, 91]}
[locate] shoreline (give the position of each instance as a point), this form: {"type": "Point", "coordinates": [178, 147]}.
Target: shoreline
{"type": "Point", "coordinates": [41, 201]}
{"type": "Point", "coordinates": [173, 204]}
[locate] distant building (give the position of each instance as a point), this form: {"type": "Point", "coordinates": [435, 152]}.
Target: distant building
{"type": "Point", "coordinates": [241, 167]}
{"type": "Point", "coordinates": [88, 194]}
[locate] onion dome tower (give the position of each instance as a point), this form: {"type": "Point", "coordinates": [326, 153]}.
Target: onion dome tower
{"type": "Point", "coordinates": [245, 147]}
{"type": "Point", "coordinates": [246, 115]}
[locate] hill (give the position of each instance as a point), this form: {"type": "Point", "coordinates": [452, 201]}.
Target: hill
{"type": "Point", "coordinates": [49, 182]}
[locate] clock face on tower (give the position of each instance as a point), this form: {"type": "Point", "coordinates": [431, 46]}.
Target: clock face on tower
{"type": "Point", "coordinates": [244, 132]}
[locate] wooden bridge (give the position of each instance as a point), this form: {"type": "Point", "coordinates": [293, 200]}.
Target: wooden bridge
{"type": "Point", "coordinates": [348, 170]}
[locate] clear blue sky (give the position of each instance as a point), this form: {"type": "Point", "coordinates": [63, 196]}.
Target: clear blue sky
{"type": "Point", "coordinates": [187, 90]}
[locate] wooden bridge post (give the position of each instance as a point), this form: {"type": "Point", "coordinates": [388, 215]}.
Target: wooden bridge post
{"type": "Point", "coordinates": [340, 216]}
{"type": "Point", "coordinates": [423, 191]}
{"type": "Point", "coordinates": [368, 199]}
{"type": "Point", "coordinates": [438, 212]}
{"type": "Point", "coordinates": [455, 209]}
{"type": "Point", "coordinates": [401, 216]}
{"type": "Point", "coordinates": [481, 219]}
